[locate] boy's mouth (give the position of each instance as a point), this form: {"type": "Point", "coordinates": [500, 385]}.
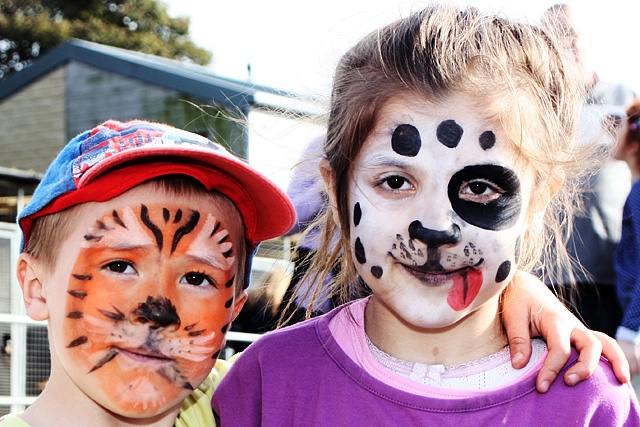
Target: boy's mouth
{"type": "Point", "coordinates": [145, 356]}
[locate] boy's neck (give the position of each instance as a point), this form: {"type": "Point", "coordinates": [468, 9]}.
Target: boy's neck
{"type": "Point", "coordinates": [63, 404]}
{"type": "Point", "coordinates": [474, 337]}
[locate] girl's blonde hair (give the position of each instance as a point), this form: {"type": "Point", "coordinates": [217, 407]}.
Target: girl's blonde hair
{"type": "Point", "coordinates": [521, 79]}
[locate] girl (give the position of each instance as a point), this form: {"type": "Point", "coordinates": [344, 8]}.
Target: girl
{"type": "Point", "coordinates": [449, 139]}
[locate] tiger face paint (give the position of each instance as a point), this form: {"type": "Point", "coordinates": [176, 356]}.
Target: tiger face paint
{"type": "Point", "coordinates": [148, 299]}
{"type": "Point", "coordinates": [438, 199]}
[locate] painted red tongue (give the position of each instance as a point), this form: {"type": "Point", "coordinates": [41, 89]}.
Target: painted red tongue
{"type": "Point", "coordinates": [465, 289]}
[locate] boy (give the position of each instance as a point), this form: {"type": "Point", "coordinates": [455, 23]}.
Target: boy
{"type": "Point", "coordinates": [136, 248]}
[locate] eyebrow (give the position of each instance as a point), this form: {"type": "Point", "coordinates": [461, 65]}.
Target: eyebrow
{"type": "Point", "coordinates": [385, 159]}
{"type": "Point", "coordinates": [210, 260]}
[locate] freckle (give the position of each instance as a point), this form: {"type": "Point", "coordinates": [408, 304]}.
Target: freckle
{"type": "Point", "coordinates": [191, 342]}
{"type": "Point", "coordinates": [435, 351]}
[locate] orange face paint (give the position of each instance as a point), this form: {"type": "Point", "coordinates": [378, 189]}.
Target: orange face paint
{"type": "Point", "coordinates": [149, 300]}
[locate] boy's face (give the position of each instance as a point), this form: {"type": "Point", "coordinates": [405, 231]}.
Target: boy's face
{"type": "Point", "coordinates": [142, 295]}
{"type": "Point", "coordinates": [438, 203]}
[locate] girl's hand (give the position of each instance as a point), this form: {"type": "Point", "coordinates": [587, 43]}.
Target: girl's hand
{"type": "Point", "coordinates": [530, 309]}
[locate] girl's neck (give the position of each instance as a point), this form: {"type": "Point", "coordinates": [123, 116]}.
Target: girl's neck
{"type": "Point", "coordinates": [474, 337]}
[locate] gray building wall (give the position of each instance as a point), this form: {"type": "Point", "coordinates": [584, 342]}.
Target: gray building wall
{"type": "Point", "coordinates": [32, 129]}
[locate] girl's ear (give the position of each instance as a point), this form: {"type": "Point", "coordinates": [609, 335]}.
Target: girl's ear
{"type": "Point", "coordinates": [329, 181]}
{"type": "Point", "coordinates": [31, 281]}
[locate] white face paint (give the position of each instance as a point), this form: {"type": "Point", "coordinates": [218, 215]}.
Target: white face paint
{"type": "Point", "coordinates": [438, 205]}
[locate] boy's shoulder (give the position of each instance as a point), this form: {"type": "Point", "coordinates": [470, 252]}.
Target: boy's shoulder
{"type": "Point", "coordinates": [196, 408]}
{"type": "Point", "coordinates": [12, 420]}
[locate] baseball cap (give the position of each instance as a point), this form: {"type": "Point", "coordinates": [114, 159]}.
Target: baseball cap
{"type": "Point", "coordinates": [114, 157]}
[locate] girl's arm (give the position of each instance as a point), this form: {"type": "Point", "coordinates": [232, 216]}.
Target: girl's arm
{"type": "Point", "coordinates": [547, 317]}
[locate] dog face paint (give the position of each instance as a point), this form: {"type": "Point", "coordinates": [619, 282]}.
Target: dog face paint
{"type": "Point", "coordinates": [148, 300]}
{"type": "Point", "coordinates": [435, 223]}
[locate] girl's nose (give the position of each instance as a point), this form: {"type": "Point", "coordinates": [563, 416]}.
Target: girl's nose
{"type": "Point", "coordinates": [434, 238]}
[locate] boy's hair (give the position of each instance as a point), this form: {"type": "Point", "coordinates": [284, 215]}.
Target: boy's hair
{"type": "Point", "coordinates": [49, 231]}
{"type": "Point", "coordinates": [519, 75]}
{"type": "Point", "coordinates": [114, 157]}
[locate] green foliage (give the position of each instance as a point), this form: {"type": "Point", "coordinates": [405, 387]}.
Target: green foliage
{"type": "Point", "coordinates": [30, 28]}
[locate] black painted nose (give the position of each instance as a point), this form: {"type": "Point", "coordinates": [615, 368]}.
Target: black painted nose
{"type": "Point", "coordinates": [157, 311]}
{"type": "Point", "coordinates": [434, 238]}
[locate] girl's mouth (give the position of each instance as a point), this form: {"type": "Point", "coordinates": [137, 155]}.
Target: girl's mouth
{"type": "Point", "coordinates": [437, 277]}
{"type": "Point", "coordinates": [466, 282]}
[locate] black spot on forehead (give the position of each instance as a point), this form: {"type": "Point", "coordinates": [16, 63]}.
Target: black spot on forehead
{"type": "Point", "coordinates": [449, 133]}
{"type": "Point", "coordinates": [487, 139]}
{"type": "Point", "coordinates": [406, 140]}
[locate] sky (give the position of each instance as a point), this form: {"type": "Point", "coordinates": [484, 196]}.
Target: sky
{"type": "Point", "coordinates": [294, 45]}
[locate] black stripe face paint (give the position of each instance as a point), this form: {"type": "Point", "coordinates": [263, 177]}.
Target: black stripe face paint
{"type": "Point", "coordinates": [406, 140]}
{"type": "Point", "coordinates": [498, 214]}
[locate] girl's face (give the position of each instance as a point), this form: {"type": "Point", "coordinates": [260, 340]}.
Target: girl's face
{"type": "Point", "coordinates": [142, 296]}
{"type": "Point", "coordinates": [438, 200]}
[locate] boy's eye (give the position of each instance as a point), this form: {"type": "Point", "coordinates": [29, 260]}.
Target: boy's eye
{"type": "Point", "coordinates": [480, 191]}
{"type": "Point", "coordinates": [197, 279]}
{"type": "Point", "coordinates": [124, 267]}
{"type": "Point", "coordinates": [395, 182]}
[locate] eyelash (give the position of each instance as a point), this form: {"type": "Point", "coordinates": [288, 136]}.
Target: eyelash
{"type": "Point", "coordinates": [384, 183]}
{"type": "Point", "coordinates": [202, 276]}
{"type": "Point", "coordinates": [496, 191]}
{"type": "Point", "coordinates": [111, 266]}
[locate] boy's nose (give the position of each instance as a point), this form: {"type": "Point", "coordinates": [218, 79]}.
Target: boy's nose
{"type": "Point", "coordinates": [158, 312]}
{"type": "Point", "coordinates": [434, 238]}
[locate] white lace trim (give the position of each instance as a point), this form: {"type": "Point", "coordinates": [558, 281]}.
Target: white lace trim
{"type": "Point", "coordinates": [492, 371]}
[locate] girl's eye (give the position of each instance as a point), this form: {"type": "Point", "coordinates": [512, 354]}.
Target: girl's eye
{"type": "Point", "coordinates": [197, 279]}
{"type": "Point", "coordinates": [480, 191]}
{"type": "Point", "coordinates": [396, 182]}
{"type": "Point", "coordinates": [123, 267]}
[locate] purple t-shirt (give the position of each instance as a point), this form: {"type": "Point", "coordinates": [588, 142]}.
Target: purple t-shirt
{"type": "Point", "coordinates": [300, 376]}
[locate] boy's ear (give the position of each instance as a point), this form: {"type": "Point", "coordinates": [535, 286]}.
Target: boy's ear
{"type": "Point", "coordinates": [30, 279]}
{"type": "Point", "coordinates": [239, 303]}
{"type": "Point", "coordinates": [329, 181]}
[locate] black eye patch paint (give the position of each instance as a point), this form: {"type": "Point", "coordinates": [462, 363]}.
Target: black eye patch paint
{"type": "Point", "coordinates": [406, 140]}
{"type": "Point", "coordinates": [487, 140]}
{"type": "Point", "coordinates": [499, 214]}
{"type": "Point", "coordinates": [449, 133]}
